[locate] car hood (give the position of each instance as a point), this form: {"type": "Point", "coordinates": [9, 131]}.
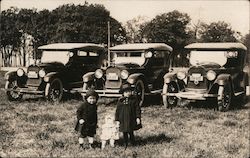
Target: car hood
{"type": "Point", "coordinates": [128, 66]}
{"type": "Point", "coordinates": [46, 66]}
{"type": "Point", "coordinates": [209, 65]}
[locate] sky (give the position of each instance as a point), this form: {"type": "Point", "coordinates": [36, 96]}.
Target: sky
{"type": "Point", "coordinates": [234, 12]}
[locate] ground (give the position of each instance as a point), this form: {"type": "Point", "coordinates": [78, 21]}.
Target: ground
{"type": "Point", "coordinates": [34, 127]}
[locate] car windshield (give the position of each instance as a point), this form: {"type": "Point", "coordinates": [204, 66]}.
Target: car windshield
{"type": "Point", "coordinates": [128, 57]}
{"type": "Point", "coordinates": [202, 57]}
{"type": "Point", "coordinates": [55, 56]}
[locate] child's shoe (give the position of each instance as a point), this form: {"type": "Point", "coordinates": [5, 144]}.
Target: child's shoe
{"type": "Point", "coordinates": [81, 146]}
{"type": "Point", "coordinates": [91, 146]}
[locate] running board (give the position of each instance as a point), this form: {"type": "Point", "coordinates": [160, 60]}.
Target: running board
{"type": "Point", "coordinates": [238, 93]}
{"type": "Point", "coordinates": [159, 91]}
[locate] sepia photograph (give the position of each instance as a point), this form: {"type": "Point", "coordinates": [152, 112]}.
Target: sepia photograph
{"type": "Point", "coordinates": [125, 78]}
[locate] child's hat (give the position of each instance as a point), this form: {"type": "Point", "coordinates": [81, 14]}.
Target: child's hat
{"type": "Point", "coordinates": [91, 92]}
{"type": "Point", "coordinates": [125, 87]}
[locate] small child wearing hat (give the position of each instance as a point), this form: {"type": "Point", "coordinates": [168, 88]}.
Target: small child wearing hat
{"type": "Point", "coordinates": [128, 113]}
{"type": "Point", "coordinates": [87, 118]}
{"type": "Point", "coordinates": [109, 131]}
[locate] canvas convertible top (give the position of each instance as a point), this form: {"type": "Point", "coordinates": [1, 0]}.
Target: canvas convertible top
{"type": "Point", "coordinates": [142, 46]}
{"type": "Point", "coordinates": [218, 45]}
{"type": "Point", "coordinates": [70, 46]}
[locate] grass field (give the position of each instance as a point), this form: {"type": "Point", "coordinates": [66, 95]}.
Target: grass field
{"type": "Point", "coordinates": [36, 128]}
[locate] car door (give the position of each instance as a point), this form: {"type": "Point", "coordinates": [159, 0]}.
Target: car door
{"type": "Point", "coordinates": [156, 68]}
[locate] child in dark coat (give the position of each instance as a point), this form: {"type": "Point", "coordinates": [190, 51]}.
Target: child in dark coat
{"type": "Point", "coordinates": [87, 118]}
{"type": "Point", "coordinates": [128, 113]}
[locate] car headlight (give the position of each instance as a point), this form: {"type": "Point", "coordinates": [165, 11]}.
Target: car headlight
{"type": "Point", "coordinates": [98, 73]}
{"type": "Point", "coordinates": [20, 72]}
{"type": "Point", "coordinates": [124, 74]}
{"type": "Point", "coordinates": [148, 54]}
{"type": "Point", "coordinates": [41, 73]}
{"type": "Point", "coordinates": [211, 75]}
{"type": "Point", "coordinates": [181, 75]}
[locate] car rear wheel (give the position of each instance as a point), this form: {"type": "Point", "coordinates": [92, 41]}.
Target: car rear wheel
{"type": "Point", "coordinates": [12, 95]}
{"type": "Point", "coordinates": [140, 91]}
{"type": "Point", "coordinates": [224, 97]}
{"type": "Point", "coordinates": [170, 101]}
{"type": "Point", "coordinates": [54, 90]}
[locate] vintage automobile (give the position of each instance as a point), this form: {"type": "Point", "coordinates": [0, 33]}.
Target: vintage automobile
{"type": "Point", "coordinates": [140, 64]}
{"type": "Point", "coordinates": [61, 69]}
{"type": "Point", "coordinates": [217, 72]}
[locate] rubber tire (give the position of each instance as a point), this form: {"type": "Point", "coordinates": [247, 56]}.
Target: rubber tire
{"type": "Point", "coordinates": [9, 85]}
{"type": "Point", "coordinates": [51, 90]}
{"type": "Point", "coordinates": [140, 89]}
{"type": "Point", "coordinates": [166, 98]}
{"type": "Point", "coordinates": [224, 104]}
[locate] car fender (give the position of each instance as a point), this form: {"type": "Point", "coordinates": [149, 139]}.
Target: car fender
{"type": "Point", "coordinates": [134, 77]}
{"type": "Point", "coordinates": [222, 79]}
{"type": "Point", "coordinates": [169, 77]}
{"type": "Point", "coordinates": [10, 75]}
{"type": "Point", "coordinates": [88, 77]}
{"type": "Point", "coordinates": [48, 77]}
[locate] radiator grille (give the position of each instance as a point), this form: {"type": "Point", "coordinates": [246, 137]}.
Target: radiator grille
{"type": "Point", "coordinates": [113, 79]}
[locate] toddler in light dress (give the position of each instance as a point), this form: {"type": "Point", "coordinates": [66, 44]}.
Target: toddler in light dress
{"type": "Point", "coordinates": [109, 131]}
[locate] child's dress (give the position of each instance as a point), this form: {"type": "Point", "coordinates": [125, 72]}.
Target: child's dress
{"type": "Point", "coordinates": [109, 130]}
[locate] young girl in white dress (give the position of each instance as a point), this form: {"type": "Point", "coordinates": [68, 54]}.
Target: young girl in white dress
{"type": "Point", "coordinates": [109, 131]}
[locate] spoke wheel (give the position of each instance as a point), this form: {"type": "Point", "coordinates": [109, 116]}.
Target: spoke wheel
{"type": "Point", "coordinates": [139, 91]}
{"type": "Point", "coordinates": [170, 101]}
{"type": "Point", "coordinates": [224, 97]}
{"type": "Point", "coordinates": [12, 95]}
{"type": "Point", "coordinates": [55, 90]}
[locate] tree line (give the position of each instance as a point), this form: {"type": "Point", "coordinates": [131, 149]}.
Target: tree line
{"type": "Point", "coordinates": [23, 30]}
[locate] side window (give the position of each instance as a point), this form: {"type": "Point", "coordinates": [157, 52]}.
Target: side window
{"type": "Point", "coordinates": [82, 53]}
{"type": "Point", "coordinates": [93, 54]}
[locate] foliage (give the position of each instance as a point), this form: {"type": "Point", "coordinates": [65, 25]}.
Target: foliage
{"type": "Point", "coordinates": [10, 35]}
{"type": "Point", "coordinates": [67, 23]}
{"type": "Point", "coordinates": [217, 32]}
{"type": "Point", "coordinates": [170, 28]}
{"type": "Point", "coordinates": [247, 44]}
{"type": "Point", "coordinates": [87, 23]}
{"type": "Point", "coordinates": [133, 29]}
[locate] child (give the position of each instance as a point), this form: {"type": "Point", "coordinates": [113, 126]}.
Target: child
{"type": "Point", "coordinates": [87, 118]}
{"type": "Point", "coordinates": [128, 113]}
{"type": "Point", "coordinates": [109, 131]}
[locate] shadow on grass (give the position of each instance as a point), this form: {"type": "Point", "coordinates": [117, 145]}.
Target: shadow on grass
{"type": "Point", "coordinates": [153, 139]}
{"type": "Point", "coordinates": [31, 98]}
{"type": "Point", "coordinates": [212, 104]}
{"type": "Point", "coordinates": [152, 100]}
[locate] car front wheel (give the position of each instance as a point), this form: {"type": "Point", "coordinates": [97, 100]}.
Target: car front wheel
{"type": "Point", "coordinates": [140, 91]}
{"type": "Point", "coordinates": [169, 101]}
{"type": "Point", "coordinates": [54, 90]}
{"type": "Point", "coordinates": [224, 97]}
{"type": "Point", "coordinates": [11, 93]}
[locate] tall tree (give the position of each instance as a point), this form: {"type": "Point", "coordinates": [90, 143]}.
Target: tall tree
{"type": "Point", "coordinates": [67, 23]}
{"type": "Point", "coordinates": [83, 23]}
{"type": "Point", "coordinates": [247, 43]}
{"type": "Point", "coordinates": [218, 32]}
{"type": "Point", "coordinates": [10, 35]}
{"type": "Point", "coordinates": [170, 28]}
{"type": "Point", "coordinates": [133, 29]}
